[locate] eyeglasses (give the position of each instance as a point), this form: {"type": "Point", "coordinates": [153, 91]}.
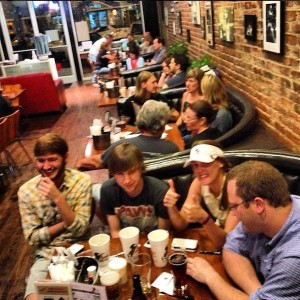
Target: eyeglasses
{"type": "Point", "coordinates": [234, 207]}
{"type": "Point", "coordinates": [188, 118]}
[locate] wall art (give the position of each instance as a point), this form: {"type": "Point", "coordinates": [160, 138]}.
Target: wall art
{"type": "Point", "coordinates": [273, 26]}
{"type": "Point", "coordinates": [196, 16]}
{"type": "Point", "coordinates": [250, 24]}
{"type": "Point", "coordinates": [209, 25]}
{"type": "Point", "coordinates": [226, 24]}
{"type": "Point", "coordinates": [178, 23]}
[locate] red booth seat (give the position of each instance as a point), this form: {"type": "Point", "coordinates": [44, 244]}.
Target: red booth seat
{"type": "Point", "coordinates": [42, 94]}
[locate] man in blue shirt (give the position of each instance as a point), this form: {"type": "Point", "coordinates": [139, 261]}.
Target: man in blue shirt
{"type": "Point", "coordinates": [261, 254]}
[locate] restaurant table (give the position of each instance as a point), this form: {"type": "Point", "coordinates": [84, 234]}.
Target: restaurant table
{"type": "Point", "coordinates": [198, 290]}
{"type": "Point", "coordinates": [173, 134]}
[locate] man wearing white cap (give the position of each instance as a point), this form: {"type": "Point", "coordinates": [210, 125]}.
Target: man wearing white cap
{"type": "Point", "coordinates": [205, 203]}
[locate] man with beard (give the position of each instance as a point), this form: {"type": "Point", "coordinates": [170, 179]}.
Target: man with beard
{"type": "Point", "coordinates": [130, 198]}
{"type": "Point", "coordinates": [261, 253]}
{"type": "Point", "coordinates": [55, 206]}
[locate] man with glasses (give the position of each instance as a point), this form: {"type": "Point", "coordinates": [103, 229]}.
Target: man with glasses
{"type": "Point", "coordinates": [261, 254]}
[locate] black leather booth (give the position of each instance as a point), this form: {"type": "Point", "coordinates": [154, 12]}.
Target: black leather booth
{"type": "Point", "coordinates": [171, 166]}
{"type": "Point", "coordinates": [243, 113]}
{"type": "Point", "coordinates": [131, 75]}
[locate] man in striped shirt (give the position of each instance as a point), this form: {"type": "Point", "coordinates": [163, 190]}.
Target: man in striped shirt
{"type": "Point", "coordinates": [55, 206]}
{"type": "Point", "coordinates": [261, 254]}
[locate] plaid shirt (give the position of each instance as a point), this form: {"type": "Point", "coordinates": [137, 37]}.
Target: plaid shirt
{"type": "Point", "coordinates": [38, 212]}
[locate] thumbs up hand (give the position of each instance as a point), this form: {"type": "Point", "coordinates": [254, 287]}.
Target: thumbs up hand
{"type": "Point", "coordinates": [171, 196]}
{"type": "Point", "coordinates": [193, 211]}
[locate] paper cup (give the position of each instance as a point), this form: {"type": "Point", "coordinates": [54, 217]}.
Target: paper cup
{"type": "Point", "coordinates": [100, 247]}
{"type": "Point", "coordinates": [119, 264]}
{"type": "Point", "coordinates": [95, 130]}
{"type": "Point", "coordinates": [129, 237]}
{"type": "Point", "coordinates": [131, 90]}
{"type": "Point", "coordinates": [110, 85]}
{"type": "Point", "coordinates": [159, 239]}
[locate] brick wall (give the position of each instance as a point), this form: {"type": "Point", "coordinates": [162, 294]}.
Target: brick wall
{"type": "Point", "coordinates": [271, 81]}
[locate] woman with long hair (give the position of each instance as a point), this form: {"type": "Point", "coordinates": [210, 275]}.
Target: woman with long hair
{"type": "Point", "coordinates": [214, 93]}
{"type": "Point", "coordinates": [145, 89]}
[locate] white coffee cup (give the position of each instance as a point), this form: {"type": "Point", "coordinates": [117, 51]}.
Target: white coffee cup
{"type": "Point", "coordinates": [119, 264]}
{"type": "Point", "coordinates": [159, 239]}
{"type": "Point", "coordinates": [100, 247]}
{"type": "Point", "coordinates": [131, 90]}
{"type": "Point", "coordinates": [129, 237]}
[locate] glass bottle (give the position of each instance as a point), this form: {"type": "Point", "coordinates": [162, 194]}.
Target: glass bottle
{"type": "Point", "coordinates": [137, 289]}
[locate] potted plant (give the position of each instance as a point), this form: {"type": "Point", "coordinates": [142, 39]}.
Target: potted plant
{"type": "Point", "coordinates": [177, 48]}
{"type": "Point", "coordinates": [205, 60]}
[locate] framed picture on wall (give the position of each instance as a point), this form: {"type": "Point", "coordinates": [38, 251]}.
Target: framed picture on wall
{"type": "Point", "coordinates": [178, 23]}
{"type": "Point", "coordinates": [209, 25]}
{"type": "Point", "coordinates": [273, 26]}
{"type": "Point", "coordinates": [226, 24]}
{"type": "Point", "coordinates": [250, 24]}
{"type": "Point", "coordinates": [166, 13]}
{"type": "Point", "coordinates": [196, 16]}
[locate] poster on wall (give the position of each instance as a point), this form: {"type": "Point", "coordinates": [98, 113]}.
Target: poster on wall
{"type": "Point", "coordinates": [250, 27]}
{"type": "Point", "coordinates": [196, 16]}
{"type": "Point", "coordinates": [166, 13]}
{"type": "Point", "coordinates": [209, 25]}
{"type": "Point", "coordinates": [273, 26]}
{"type": "Point", "coordinates": [226, 24]}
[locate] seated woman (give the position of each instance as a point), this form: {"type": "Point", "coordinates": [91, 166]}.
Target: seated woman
{"type": "Point", "coordinates": [206, 202]}
{"type": "Point", "coordinates": [198, 118]}
{"type": "Point", "coordinates": [214, 93]}
{"type": "Point", "coordinates": [102, 60]}
{"type": "Point", "coordinates": [166, 72]}
{"type": "Point", "coordinates": [134, 60]}
{"type": "Point", "coordinates": [192, 94]}
{"type": "Point", "coordinates": [146, 88]}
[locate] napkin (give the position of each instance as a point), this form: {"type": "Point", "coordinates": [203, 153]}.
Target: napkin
{"type": "Point", "coordinates": [165, 283]}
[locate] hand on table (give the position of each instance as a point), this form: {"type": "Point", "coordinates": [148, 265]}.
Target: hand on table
{"type": "Point", "coordinates": [198, 268]}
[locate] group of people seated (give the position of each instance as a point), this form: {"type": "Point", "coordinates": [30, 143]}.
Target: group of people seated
{"type": "Point", "coordinates": [246, 210]}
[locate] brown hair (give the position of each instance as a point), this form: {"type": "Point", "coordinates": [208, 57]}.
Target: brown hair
{"type": "Point", "coordinates": [125, 157]}
{"type": "Point", "coordinates": [50, 143]}
{"type": "Point", "coordinates": [198, 74]}
{"type": "Point", "coordinates": [144, 76]}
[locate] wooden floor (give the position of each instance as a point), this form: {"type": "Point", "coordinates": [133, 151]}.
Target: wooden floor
{"type": "Point", "coordinates": [82, 101]}
{"type": "Point", "coordinates": [15, 256]}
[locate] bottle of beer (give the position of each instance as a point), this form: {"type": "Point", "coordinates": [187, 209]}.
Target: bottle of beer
{"type": "Point", "coordinates": [137, 289]}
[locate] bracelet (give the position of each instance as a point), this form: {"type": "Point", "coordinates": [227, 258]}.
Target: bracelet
{"type": "Point", "coordinates": [206, 220]}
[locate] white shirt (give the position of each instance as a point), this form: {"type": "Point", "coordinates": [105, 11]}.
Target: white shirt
{"type": "Point", "coordinates": [96, 46]}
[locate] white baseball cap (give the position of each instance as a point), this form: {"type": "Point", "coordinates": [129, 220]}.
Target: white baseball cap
{"type": "Point", "coordinates": [204, 153]}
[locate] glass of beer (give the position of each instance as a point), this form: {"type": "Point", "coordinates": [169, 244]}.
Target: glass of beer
{"type": "Point", "coordinates": [177, 260]}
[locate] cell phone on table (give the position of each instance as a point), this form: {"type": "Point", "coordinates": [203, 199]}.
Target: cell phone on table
{"type": "Point", "coordinates": [184, 244]}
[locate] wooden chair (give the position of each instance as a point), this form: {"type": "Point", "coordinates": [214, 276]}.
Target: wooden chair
{"type": "Point", "coordinates": [12, 93]}
{"type": "Point", "coordinates": [12, 136]}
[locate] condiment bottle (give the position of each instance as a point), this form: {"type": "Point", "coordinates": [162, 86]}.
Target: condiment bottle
{"type": "Point", "coordinates": [137, 289]}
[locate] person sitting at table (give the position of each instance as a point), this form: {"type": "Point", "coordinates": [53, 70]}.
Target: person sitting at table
{"type": "Point", "coordinates": [55, 206]}
{"type": "Point", "coordinates": [198, 118]}
{"type": "Point", "coordinates": [193, 93]}
{"type": "Point", "coordinates": [130, 39]}
{"type": "Point", "coordinates": [145, 89]}
{"type": "Point", "coordinates": [160, 52]}
{"type": "Point", "coordinates": [206, 201]}
{"type": "Point", "coordinates": [178, 66]}
{"type": "Point", "coordinates": [134, 60]}
{"type": "Point", "coordinates": [151, 121]}
{"type": "Point", "coordinates": [130, 198]}
{"type": "Point", "coordinates": [166, 72]}
{"type": "Point", "coordinates": [5, 107]}
{"type": "Point", "coordinates": [102, 61]}
{"type": "Point", "coordinates": [147, 45]}
{"type": "Point", "coordinates": [214, 93]}
{"type": "Point", "coordinates": [261, 253]}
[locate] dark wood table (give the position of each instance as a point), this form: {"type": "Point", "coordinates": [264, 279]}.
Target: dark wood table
{"type": "Point", "coordinates": [198, 290]}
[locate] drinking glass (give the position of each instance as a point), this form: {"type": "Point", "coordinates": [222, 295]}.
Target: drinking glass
{"type": "Point", "coordinates": [142, 266]}
{"type": "Point", "coordinates": [177, 260]}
